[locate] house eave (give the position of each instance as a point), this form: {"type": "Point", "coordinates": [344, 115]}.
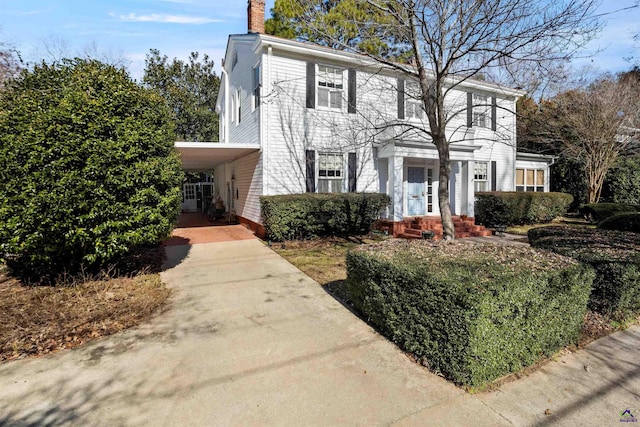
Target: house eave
{"type": "Point", "coordinates": [361, 61]}
{"type": "Point", "coordinates": [535, 157]}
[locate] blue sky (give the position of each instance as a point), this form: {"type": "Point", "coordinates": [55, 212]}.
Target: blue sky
{"type": "Point", "coordinates": [177, 27]}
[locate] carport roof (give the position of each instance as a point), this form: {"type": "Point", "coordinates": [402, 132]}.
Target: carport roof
{"type": "Point", "coordinates": [204, 156]}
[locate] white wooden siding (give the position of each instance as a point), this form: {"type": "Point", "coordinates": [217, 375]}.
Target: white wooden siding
{"type": "Point", "coordinates": [241, 77]}
{"type": "Point", "coordinates": [247, 172]}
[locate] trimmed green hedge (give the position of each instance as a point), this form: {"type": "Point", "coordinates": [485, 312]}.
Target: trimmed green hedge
{"type": "Point", "coordinates": [303, 216]}
{"type": "Point", "coordinates": [473, 313]}
{"type": "Point", "coordinates": [614, 255]}
{"type": "Point", "coordinates": [622, 222]}
{"type": "Point", "coordinates": [622, 183]}
{"type": "Point", "coordinates": [600, 211]}
{"type": "Point", "coordinates": [511, 208]}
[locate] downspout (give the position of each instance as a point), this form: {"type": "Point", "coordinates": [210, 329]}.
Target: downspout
{"type": "Point", "coordinates": [265, 122]}
{"type": "Point", "coordinates": [225, 76]}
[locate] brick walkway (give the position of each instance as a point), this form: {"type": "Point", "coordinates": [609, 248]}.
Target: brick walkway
{"type": "Point", "coordinates": [195, 228]}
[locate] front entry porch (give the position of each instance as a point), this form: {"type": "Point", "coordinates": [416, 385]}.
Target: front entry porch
{"type": "Point", "coordinates": [409, 174]}
{"type": "Point", "coordinates": [412, 227]}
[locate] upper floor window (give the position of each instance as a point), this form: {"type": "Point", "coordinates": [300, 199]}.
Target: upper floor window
{"type": "Point", "coordinates": [481, 111]}
{"type": "Point", "coordinates": [481, 176]}
{"type": "Point", "coordinates": [237, 106]}
{"type": "Point", "coordinates": [530, 179]}
{"type": "Point", "coordinates": [256, 86]}
{"type": "Point", "coordinates": [413, 102]}
{"type": "Point", "coordinates": [330, 87]}
{"type": "Point", "coordinates": [330, 173]}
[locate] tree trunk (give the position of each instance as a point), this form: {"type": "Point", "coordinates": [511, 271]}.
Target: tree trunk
{"type": "Point", "coordinates": [448, 231]}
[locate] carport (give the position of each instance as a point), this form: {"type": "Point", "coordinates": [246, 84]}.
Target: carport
{"type": "Point", "coordinates": [204, 157]}
{"type": "Point", "coordinates": [195, 227]}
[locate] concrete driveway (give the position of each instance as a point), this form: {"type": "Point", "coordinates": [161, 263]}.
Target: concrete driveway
{"type": "Point", "coordinates": [250, 340]}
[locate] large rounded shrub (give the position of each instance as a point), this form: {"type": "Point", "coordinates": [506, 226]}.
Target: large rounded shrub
{"type": "Point", "coordinates": [87, 167]}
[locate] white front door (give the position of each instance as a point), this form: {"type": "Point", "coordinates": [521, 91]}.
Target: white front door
{"type": "Point", "coordinates": [189, 198]}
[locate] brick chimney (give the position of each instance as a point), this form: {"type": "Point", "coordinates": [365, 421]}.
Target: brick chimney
{"type": "Point", "coordinates": [255, 16]}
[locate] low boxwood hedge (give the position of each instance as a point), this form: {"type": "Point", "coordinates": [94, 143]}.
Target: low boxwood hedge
{"type": "Point", "coordinates": [303, 216]}
{"type": "Point", "coordinates": [472, 313]}
{"type": "Point", "coordinates": [515, 208]}
{"type": "Point", "coordinates": [622, 222]}
{"type": "Point", "coordinates": [598, 212]}
{"type": "Point", "coordinates": [614, 255]}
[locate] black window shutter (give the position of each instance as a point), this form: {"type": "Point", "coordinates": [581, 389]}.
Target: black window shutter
{"type": "Point", "coordinates": [352, 172]}
{"type": "Point", "coordinates": [352, 91]}
{"type": "Point", "coordinates": [311, 171]}
{"type": "Point", "coordinates": [469, 109]}
{"type": "Point", "coordinates": [494, 113]}
{"type": "Point", "coordinates": [401, 99]}
{"type": "Point", "coordinates": [311, 85]}
{"type": "Point", "coordinates": [494, 176]}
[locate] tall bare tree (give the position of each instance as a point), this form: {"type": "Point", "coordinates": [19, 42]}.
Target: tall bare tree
{"type": "Point", "coordinates": [451, 41]}
{"type": "Point", "coordinates": [54, 48]}
{"type": "Point", "coordinates": [592, 127]}
{"type": "Point", "coordinates": [10, 63]}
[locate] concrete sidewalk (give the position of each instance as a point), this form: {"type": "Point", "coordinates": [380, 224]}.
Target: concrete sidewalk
{"type": "Point", "coordinates": [250, 340]}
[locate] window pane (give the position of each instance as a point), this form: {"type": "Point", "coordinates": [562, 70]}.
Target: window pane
{"type": "Point", "coordinates": [530, 176]}
{"type": "Point", "coordinates": [539, 177]}
{"type": "Point", "coordinates": [323, 97]}
{"type": "Point", "coordinates": [330, 172]}
{"type": "Point", "coordinates": [336, 99]}
{"type": "Point", "coordinates": [322, 161]}
{"type": "Point", "coordinates": [330, 86]}
{"type": "Point", "coordinates": [480, 186]}
{"type": "Point", "coordinates": [329, 185]}
{"type": "Point", "coordinates": [520, 177]}
{"type": "Point", "coordinates": [519, 188]}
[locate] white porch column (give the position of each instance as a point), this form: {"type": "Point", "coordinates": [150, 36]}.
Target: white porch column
{"type": "Point", "coordinates": [469, 191]}
{"type": "Point", "coordinates": [396, 166]}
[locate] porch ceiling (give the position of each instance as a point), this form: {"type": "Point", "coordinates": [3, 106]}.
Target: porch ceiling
{"type": "Point", "coordinates": [204, 156]}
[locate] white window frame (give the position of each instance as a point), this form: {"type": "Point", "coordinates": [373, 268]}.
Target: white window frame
{"type": "Point", "coordinates": [223, 125]}
{"type": "Point", "coordinates": [535, 186]}
{"type": "Point", "coordinates": [332, 80]}
{"type": "Point", "coordinates": [331, 169]}
{"type": "Point", "coordinates": [481, 110]}
{"type": "Point", "coordinates": [257, 74]}
{"type": "Point", "coordinates": [237, 105]}
{"type": "Point", "coordinates": [413, 109]}
{"type": "Point", "coordinates": [481, 176]}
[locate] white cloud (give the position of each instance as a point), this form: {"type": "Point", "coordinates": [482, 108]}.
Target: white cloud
{"type": "Point", "coordinates": [168, 19]}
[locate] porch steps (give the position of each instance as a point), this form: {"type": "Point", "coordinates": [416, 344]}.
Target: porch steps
{"type": "Point", "coordinates": [412, 228]}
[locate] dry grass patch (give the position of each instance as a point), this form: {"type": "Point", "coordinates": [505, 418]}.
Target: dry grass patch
{"type": "Point", "coordinates": [324, 259]}
{"type": "Point", "coordinates": [36, 320]}
{"type": "Point", "coordinates": [524, 229]}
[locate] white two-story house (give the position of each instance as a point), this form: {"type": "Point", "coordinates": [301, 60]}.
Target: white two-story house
{"type": "Point", "coordinates": [296, 117]}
